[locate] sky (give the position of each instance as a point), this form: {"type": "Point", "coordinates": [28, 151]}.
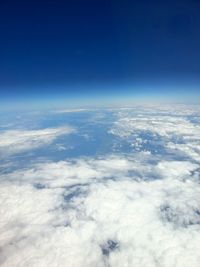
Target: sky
{"type": "Point", "coordinates": [97, 51]}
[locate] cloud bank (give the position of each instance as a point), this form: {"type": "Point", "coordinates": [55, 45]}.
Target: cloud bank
{"type": "Point", "coordinates": [120, 209]}
{"type": "Point", "coordinates": [113, 211]}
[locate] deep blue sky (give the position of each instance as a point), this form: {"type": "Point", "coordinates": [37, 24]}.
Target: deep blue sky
{"type": "Point", "coordinates": [80, 48]}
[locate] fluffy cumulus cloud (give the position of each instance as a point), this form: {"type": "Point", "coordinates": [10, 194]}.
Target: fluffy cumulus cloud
{"type": "Point", "coordinates": [120, 209]}
{"type": "Point", "coordinates": [109, 211]}
{"type": "Point", "coordinates": [14, 141]}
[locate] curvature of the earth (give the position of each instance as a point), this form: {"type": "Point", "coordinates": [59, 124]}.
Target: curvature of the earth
{"type": "Point", "coordinates": [101, 187]}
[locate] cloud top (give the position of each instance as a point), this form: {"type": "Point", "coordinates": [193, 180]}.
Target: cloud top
{"type": "Point", "coordinates": [100, 212]}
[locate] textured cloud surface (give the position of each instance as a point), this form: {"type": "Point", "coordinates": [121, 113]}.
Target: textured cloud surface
{"type": "Point", "coordinates": [178, 132]}
{"type": "Point", "coordinates": [120, 209]}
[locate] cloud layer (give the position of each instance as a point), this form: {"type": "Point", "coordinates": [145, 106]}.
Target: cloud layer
{"type": "Point", "coordinates": [120, 209]}
{"type": "Point", "coordinates": [112, 211]}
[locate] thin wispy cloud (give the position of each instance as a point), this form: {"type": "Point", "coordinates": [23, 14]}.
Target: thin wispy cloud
{"type": "Point", "coordinates": [15, 141]}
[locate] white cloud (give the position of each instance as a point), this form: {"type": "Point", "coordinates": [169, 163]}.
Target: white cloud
{"type": "Point", "coordinates": [175, 131]}
{"type": "Point", "coordinates": [162, 125]}
{"type": "Point", "coordinates": [109, 211]}
{"type": "Point", "coordinates": [71, 110]}
{"type": "Point", "coordinates": [137, 209]}
{"type": "Point", "coordinates": [14, 141]}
